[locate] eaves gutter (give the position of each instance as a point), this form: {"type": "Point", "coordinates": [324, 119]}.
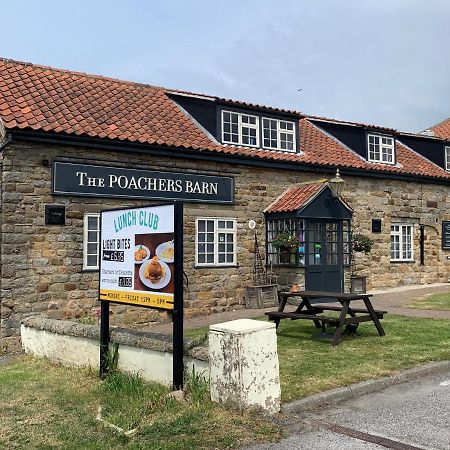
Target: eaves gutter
{"type": "Point", "coordinates": [207, 155]}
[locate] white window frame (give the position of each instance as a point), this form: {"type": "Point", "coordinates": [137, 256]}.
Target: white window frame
{"type": "Point", "coordinates": [447, 157]}
{"type": "Point", "coordinates": [85, 241]}
{"type": "Point", "coordinates": [279, 131]}
{"type": "Point", "coordinates": [378, 154]}
{"type": "Point", "coordinates": [240, 126]}
{"type": "Point", "coordinates": [401, 242]}
{"type": "Point", "coordinates": [217, 230]}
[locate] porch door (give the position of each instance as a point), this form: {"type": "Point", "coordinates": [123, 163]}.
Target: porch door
{"type": "Point", "coordinates": [324, 261]}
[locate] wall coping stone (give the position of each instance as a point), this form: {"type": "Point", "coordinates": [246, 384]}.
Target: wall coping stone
{"type": "Point", "coordinates": [193, 348]}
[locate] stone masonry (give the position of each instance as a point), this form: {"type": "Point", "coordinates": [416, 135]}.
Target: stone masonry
{"type": "Point", "coordinates": [41, 266]}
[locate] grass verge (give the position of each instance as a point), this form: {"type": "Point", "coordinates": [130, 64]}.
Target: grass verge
{"type": "Point", "coordinates": [53, 407]}
{"type": "Point", "coordinates": [309, 366]}
{"type": "Point", "coordinates": [434, 301]}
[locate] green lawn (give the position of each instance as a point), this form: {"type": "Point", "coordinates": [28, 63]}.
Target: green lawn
{"type": "Point", "coordinates": [308, 366]}
{"type": "Point", "coordinates": [51, 407]}
{"type": "Point", "coordinates": [433, 301]}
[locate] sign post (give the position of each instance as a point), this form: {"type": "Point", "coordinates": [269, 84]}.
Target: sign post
{"type": "Point", "coordinates": [141, 264]}
{"type": "Point", "coordinates": [177, 316]}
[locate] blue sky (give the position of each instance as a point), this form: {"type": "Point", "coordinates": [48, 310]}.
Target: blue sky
{"type": "Point", "coordinates": [385, 62]}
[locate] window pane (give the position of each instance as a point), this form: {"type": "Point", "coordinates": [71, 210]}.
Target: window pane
{"type": "Point", "coordinates": [92, 249]}
{"type": "Point", "coordinates": [93, 222]}
{"type": "Point", "coordinates": [92, 260]}
{"type": "Point", "coordinates": [92, 236]}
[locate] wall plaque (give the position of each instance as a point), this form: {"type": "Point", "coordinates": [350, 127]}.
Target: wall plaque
{"type": "Point", "coordinates": [376, 225]}
{"type": "Point", "coordinates": [90, 180]}
{"type": "Point", "coordinates": [55, 215]}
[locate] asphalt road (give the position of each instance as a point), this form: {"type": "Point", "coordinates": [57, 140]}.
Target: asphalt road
{"type": "Point", "coordinates": [406, 416]}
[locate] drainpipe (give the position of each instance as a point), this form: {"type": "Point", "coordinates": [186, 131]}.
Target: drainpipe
{"type": "Point", "coordinates": [422, 245]}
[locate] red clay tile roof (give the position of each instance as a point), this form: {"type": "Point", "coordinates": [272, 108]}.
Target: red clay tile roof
{"type": "Point", "coordinates": [295, 197]}
{"type": "Point", "coordinates": [52, 100]}
{"type": "Point", "coordinates": [442, 129]}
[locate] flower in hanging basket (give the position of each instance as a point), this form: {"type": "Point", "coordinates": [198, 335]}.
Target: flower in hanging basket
{"type": "Point", "coordinates": [361, 243]}
{"type": "Point", "coordinates": [285, 241]}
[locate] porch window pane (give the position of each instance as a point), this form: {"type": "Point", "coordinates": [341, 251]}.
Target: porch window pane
{"type": "Point", "coordinates": [286, 242]}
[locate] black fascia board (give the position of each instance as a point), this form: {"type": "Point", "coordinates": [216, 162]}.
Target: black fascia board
{"type": "Point", "coordinates": [260, 110]}
{"type": "Point", "coordinates": [207, 155]}
{"type": "Point", "coordinates": [282, 215]}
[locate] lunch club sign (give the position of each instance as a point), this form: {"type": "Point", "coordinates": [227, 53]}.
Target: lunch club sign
{"type": "Point", "coordinates": [137, 256]}
{"type": "Point", "coordinates": [90, 180]}
{"type": "Point", "coordinates": [141, 264]}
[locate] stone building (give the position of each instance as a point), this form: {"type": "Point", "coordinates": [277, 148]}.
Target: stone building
{"type": "Point", "coordinates": [230, 162]}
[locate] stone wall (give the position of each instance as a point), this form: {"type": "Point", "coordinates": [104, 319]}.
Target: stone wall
{"type": "Point", "coordinates": [42, 265]}
{"type": "Point", "coordinates": [406, 202]}
{"type": "Point", "coordinates": [76, 345]}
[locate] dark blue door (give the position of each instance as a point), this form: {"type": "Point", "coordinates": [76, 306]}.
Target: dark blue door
{"type": "Point", "coordinates": [324, 267]}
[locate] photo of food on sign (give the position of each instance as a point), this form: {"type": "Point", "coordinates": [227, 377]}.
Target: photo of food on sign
{"type": "Point", "coordinates": [153, 262]}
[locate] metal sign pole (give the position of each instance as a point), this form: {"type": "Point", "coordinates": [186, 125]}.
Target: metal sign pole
{"type": "Point", "coordinates": [177, 315]}
{"type": "Point", "coordinates": [104, 338]}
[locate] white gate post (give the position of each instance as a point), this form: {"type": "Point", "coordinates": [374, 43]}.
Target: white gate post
{"type": "Point", "coordinates": [244, 368]}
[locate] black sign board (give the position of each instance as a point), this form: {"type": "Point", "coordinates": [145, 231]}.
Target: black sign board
{"type": "Point", "coordinates": [445, 235]}
{"type": "Point", "coordinates": [90, 180]}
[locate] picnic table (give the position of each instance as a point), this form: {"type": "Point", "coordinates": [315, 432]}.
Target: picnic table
{"type": "Point", "coordinates": [314, 312]}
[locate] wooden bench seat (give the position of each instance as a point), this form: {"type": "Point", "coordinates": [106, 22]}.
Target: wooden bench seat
{"type": "Point", "coordinates": [378, 312]}
{"type": "Point", "coordinates": [299, 315]}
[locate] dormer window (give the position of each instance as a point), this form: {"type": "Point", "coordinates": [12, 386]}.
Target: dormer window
{"type": "Point", "coordinates": [381, 149]}
{"type": "Point", "coordinates": [447, 158]}
{"type": "Point", "coordinates": [240, 129]}
{"type": "Point", "coordinates": [257, 130]}
{"type": "Point", "coordinates": [278, 134]}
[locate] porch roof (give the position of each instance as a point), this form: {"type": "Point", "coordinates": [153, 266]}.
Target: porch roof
{"type": "Point", "coordinates": [295, 197]}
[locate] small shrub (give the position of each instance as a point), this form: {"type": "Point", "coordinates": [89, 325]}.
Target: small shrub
{"type": "Point", "coordinates": [87, 320]}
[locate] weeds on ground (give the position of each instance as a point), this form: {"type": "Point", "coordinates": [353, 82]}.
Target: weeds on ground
{"type": "Point", "coordinates": [197, 387]}
{"type": "Point", "coordinates": [48, 406]}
